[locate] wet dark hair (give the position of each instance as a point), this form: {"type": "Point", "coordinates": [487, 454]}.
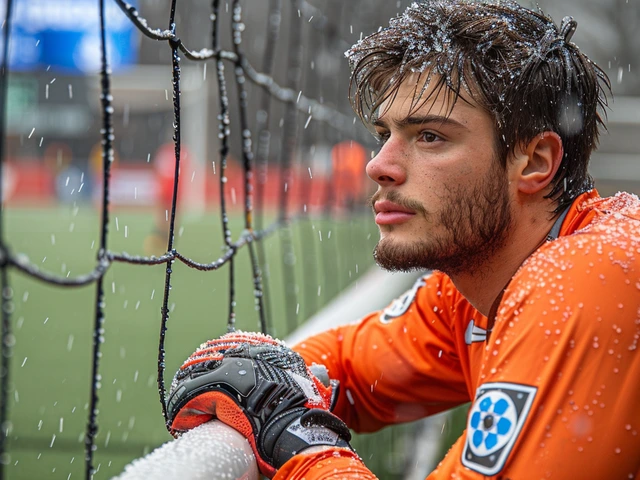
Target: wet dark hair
{"type": "Point", "coordinates": [514, 62]}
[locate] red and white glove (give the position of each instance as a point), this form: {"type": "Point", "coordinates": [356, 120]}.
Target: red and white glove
{"type": "Point", "coordinates": [255, 384]}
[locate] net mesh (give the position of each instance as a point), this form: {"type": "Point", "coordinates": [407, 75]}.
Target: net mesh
{"type": "Point", "coordinates": [291, 118]}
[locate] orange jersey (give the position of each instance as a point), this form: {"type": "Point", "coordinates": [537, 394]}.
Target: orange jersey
{"type": "Point", "coordinates": [554, 384]}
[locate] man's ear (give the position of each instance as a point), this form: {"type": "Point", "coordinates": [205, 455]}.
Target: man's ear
{"type": "Point", "coordinates": [538, 162]}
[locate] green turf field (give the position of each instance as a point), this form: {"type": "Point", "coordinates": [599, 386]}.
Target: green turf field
{"type": "Point", "coordinates": [53, 326]}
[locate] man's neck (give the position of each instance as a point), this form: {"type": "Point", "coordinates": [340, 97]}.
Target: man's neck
{"type": "Point", "coordinates": [484, 285]}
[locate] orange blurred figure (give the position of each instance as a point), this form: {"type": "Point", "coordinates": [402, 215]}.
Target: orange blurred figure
{"type": "Point", "coordinates": [349, 160]}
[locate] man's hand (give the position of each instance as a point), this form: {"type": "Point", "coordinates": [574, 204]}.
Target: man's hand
{"type": "Point", "coordinates": [262, 389]}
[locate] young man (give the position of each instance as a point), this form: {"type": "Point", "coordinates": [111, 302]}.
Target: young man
{"type": "Point", "coordinates": [487, 116]}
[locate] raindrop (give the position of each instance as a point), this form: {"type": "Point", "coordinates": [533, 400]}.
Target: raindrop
{"type": "Point", "coordinates": [350, 397]}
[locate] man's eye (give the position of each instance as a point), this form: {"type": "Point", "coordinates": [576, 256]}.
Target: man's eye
{"type": "Point", "coordinates": [382, 138]}
{"type": "Point", "coordinates": [429, 137]}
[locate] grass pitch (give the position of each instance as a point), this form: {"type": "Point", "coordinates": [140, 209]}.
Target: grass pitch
{"type": "Point", "coordinates": [53, 326]}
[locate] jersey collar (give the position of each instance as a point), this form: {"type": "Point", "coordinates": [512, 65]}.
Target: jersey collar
{"type": "Point", "coordinates": [569, 220]}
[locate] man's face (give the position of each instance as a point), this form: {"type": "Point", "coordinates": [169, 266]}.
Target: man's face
{"type": "Point", "coordinates": [443, 200]}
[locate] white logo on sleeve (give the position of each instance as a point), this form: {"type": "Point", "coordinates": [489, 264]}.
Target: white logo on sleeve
{"type": "Point", "coordinates": [495, 420]}
{"type": "Point", "coordinates": [401, 304]}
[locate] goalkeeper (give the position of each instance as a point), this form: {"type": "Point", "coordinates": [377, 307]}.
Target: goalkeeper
{"type": "Point", "coordinates": [487, 114]}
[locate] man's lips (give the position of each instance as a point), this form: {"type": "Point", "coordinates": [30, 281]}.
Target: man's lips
{"type": "Point", "coordinates": [389, 213]}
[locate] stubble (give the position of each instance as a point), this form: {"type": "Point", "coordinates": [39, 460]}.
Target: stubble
{"type": "Point", "coordinates": [475, 226]}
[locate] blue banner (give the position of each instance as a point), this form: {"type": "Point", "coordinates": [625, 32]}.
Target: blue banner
{"type": "Point", "coordinates": [64, 35]}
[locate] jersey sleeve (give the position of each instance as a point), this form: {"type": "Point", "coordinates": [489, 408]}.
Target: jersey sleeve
{"type": "Point", "coordinates": [326, 465]}
{"type": "Point", "coordinates": [396, 365]}
{"type": "Point", "coordinates": [559, 385]}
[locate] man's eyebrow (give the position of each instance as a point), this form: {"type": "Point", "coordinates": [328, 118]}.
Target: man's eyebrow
{"type": "Point", "coordinates": [418, 120]}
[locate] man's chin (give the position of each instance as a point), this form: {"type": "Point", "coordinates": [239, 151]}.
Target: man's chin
{"type": "Point", "coordinates": [398, 258]}
{"type": "Point", "coordinates": [419, 256]}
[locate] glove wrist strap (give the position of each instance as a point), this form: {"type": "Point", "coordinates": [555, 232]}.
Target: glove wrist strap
{"type": "Point", "coordinates": [313, 428]}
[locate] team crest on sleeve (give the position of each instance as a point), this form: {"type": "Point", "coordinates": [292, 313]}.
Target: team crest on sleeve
{"type": "Point", "coordinates": [495, 421]}
{"type": "Point", "coordinates": [401, 304]}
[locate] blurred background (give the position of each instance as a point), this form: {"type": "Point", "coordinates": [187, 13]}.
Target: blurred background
{"type": "Point", "coordinates": [52, 191]}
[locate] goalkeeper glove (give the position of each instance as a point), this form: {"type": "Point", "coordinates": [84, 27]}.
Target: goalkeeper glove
{"type": "Point", "coordinates": [262, 389]}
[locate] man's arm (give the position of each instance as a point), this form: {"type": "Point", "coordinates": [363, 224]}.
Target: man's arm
{"type": "Point", "coordinates": [399, 364]}
{"type": "Point", "coordinates": [394, 365]}
{"type": "Point", "coordinates": [409, 369]}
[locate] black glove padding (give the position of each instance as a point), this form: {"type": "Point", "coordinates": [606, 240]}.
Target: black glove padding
{"type": "Point", "coordinates": [262, 389]}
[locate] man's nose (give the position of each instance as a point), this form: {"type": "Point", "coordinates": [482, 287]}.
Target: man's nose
{"type": "Point", "coordinates": [385, 168]}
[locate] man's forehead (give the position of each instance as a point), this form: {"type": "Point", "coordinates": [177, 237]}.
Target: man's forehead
{"type": "Point", "coordinates": [424, 94]}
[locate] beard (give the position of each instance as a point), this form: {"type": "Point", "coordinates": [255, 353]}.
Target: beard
{"type": "Point", "coordinates": [476, 224]}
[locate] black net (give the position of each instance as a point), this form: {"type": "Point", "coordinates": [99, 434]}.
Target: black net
{"type": "Point", "coordinates": [290, 219]}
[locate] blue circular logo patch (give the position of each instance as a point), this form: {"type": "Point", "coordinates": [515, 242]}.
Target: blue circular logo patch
{"type": "Point", "coordinates": [492, 423]}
